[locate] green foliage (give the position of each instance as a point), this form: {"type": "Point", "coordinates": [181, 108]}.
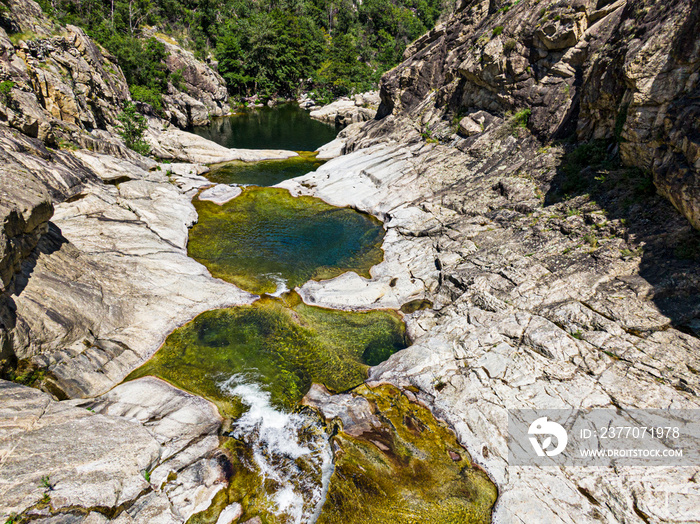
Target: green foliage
{"type": "Point", "coordinates": [46, 482]}
{"type": "Point", "coordinates": [6, 87]}
{"type": "Point", "coordinates": [520, 120]}
{"type": "Point", "coordinates": [497, 30]}
{"type": "Point", "coordinates": [267, 47]}
{"type": "Point", "coordinates": [509, 46]}
{"type": "Point", "coordinates": [132, 128]}
{"type": "Point", "coordinates": [508, 7]}
{"type": "Point", "coordinates": [16, 38]}
{"type": "Point", "coordinates": [147, 95]}
{"type": "Point", "coordinates": [178, 80]}
{"type": "Point", "coordinates": [28, 377]}
{"type": "Point", "coordinates": [591, 239]}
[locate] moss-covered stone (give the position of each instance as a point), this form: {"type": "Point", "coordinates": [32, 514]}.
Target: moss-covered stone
{"type": "Point", "coordinates": [408, 470]}
{"type": "Point", "coordinates": [265, 238]}
{"type": "Point", "coordinates": [280, 343]}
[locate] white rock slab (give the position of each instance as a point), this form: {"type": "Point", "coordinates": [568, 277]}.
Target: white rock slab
{"type": "Point", "coordinates": [220, 193]}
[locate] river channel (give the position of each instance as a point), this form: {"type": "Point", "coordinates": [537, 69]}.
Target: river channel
{"type": "Point", "coordinates": [256, 363]}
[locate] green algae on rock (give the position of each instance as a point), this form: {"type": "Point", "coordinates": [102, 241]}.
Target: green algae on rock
{"type": "Point", "coordinates": [265, 172]}
{"type": "Point", "coordinates": [407, 469]}
{"type": "Point", "coordinates": [280, 343]}
{"type": "Point", "coordinates": [266, 240]}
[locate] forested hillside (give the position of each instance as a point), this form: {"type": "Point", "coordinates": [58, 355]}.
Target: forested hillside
{"type": "Point", "coordinates": [265, 47]}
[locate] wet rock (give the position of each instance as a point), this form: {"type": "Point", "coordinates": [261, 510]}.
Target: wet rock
{"type": "Point", "coordinates": [389, 455]}
{"type": "Point", "coordinates": [230, 514]}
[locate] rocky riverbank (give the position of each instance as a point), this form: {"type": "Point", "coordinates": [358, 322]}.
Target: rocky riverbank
{"type": "Point", "coordinates": [525, 312]}
{"type": "Point", "coordinates": [95, 274]}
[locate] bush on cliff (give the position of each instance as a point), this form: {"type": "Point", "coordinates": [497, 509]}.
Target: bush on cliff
{"type": "Point", "coordinates": [132, 129]}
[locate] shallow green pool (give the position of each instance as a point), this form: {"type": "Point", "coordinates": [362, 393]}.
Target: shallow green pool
{"type": "Point", "coordinates": [280, 343]}
{"type": "Point", "coordinates": [267, 241]}
{"type": "Point", "coordinates": [264, 173]}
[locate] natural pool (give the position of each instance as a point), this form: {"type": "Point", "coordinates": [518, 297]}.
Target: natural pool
{"type": "Point", "coordinates": [256, 363]}
{"type": "Point", "coordinates": [285, 126]}
{"type": "Point", "coordinates": [266, 241]}
{"type": "Point", "coordinates": [279, 343]}
{"type": "Point", "coordinates": [264, 173]}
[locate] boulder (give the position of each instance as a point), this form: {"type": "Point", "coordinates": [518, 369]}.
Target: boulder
{"type": "Point", "coordinates": [345, 111]}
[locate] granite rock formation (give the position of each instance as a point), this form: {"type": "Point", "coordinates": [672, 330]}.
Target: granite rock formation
{"type": "Point", "coordinates": [625, 70]}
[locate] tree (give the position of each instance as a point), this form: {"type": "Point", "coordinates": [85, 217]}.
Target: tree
{"type": "Point", "coordinates": [132, 128]}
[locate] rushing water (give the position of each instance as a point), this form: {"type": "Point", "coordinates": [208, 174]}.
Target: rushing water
{"type": "Point", "coordinates": [283, 127]}
{"type": "Point", "coordinates": [281, 343]}
{"type": "Point", "coordinates": [266, 241]}
{"type": "Point", "coordinates": [290, 450]}
{"type": "Point", "coordinates": [256, 363]}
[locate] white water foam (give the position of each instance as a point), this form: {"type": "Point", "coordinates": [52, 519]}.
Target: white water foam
{"type": "Point", "coordinates": [281, 284]}
{"type": "Point", "coordinates": [285, 447]}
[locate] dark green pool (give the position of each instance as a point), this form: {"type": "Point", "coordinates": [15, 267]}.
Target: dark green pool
{"type": "Point", "coordinates": [267, 241]}
{"type": "Point", "coordinates": [285, 126]}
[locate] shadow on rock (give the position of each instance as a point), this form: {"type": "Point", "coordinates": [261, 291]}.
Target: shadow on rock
{"type": "Point", "coordinates": [49, 243]}
{"type": "Point", "coordinates": [591, 179]}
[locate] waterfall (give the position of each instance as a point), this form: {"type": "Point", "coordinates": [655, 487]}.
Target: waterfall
{"type": "Point", "coordinates": [285, 446]}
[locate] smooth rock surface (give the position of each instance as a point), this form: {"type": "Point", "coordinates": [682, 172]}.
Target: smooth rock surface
{"type": "Point", "coordinates": [174, 144]}
{"type": "Point", "coordinates": [345, 111]}
{"type": "Point", "coordinates": [114, 276]}
{"type": "Point", "coordinates": [220, 193]}
{"type": "Point", "coordinates": [98, 453]}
